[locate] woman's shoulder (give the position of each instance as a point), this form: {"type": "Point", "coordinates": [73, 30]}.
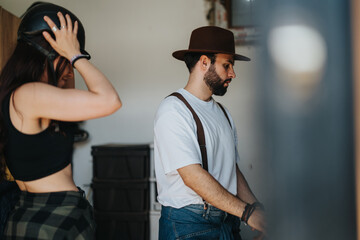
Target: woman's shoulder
{"type": "Point", "coordinates": [28, 91]}
{"type": "Point", "coordinates": [31, 86]}
{"type": "Point", "coordinates": [26, 98]}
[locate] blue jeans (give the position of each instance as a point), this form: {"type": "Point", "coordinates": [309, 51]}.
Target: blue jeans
{"type": "Point", "coordinates": [194, 222]}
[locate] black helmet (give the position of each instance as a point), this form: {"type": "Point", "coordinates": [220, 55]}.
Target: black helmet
{"type": "Point", "coordinates": [33, 24]}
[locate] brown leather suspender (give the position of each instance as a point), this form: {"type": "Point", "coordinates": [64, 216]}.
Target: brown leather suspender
{"type": "Point", "coordinates": [223, 109]}
{"type": "Point", "coordinates": [200, 129]}
{"type": "Point", "coordinates": [200, 133]}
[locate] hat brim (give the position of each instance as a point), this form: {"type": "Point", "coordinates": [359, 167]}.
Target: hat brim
{"type": "Point", "coordinates": [179, 55]}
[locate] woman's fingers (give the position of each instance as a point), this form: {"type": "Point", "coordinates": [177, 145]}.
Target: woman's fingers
{"type": "Point", "coordinates": [64, 23]}
{"type": "Point", "coordinates": [51, 24]}
{"type": "Point", "coordinates": [76, 27]}
{"type": "Point", "coordinates": [65, 42]}
{"type": "Point", "coordinates": [69, 23]}
{"type": "Point", "coordinates": [48, 38]}
{"type": "Point", "coordinates": [62, 20]}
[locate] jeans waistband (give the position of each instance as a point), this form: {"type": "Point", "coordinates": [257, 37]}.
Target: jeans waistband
{"type": "Point", "coordinates": [199, 209]}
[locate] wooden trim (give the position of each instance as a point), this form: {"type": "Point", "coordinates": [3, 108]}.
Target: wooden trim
{"type": "Point", "coordinates": [228, 7]}
{"type": "Point", "coordinates": [356, 71]}
{"type": "Point", "coordinates": [9, 24]}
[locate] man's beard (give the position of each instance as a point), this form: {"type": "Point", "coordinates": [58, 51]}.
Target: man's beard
{"type": "Point", "coordinates": [214, 82]}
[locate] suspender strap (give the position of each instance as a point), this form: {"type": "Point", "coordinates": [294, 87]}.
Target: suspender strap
{"type": "Point", "coordinates": [200, 133]}
{"type": "Point", "coordinates": [223, 109]}
{"type": "Point", "coordinates": [199, 130]}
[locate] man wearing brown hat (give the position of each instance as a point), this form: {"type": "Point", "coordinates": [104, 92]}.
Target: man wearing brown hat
{"type": "Point", "coordinates": [202, 191]}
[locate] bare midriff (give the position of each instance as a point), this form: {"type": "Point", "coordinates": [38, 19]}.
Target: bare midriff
{"type": "Point", "coordinates": [57, 182]}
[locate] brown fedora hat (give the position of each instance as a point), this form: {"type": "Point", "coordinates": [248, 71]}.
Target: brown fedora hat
{"type": "Point", "coordinates": [211, 39]}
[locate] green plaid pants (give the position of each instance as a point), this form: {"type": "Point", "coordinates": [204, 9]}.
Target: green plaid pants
{"type": "Point", "coordinates": [55, 215]}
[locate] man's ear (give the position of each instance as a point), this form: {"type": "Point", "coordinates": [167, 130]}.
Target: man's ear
{"type": "Point", "coordinates": [205, 63]}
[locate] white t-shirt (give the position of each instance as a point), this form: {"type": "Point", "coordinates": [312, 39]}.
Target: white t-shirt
{"type": "Point", "coordinates": [176, 146]}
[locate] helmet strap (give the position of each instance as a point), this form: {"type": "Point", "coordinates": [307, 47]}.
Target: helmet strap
{"type": "Point", "coordinates": [50, 55]}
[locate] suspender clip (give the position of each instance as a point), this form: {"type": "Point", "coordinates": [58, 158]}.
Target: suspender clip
{"type": "Point", "coordinates": [205, 205]}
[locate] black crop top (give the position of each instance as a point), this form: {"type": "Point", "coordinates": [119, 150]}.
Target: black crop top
{"type": "Point", "coordinates": [33, 156]}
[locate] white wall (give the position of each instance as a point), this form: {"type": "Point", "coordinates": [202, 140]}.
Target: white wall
{"type": "Point", "coordinates": [132, 42]}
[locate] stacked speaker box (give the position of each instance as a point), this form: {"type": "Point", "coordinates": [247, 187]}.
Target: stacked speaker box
{"type": "Point", "coordinates": [121, 191]}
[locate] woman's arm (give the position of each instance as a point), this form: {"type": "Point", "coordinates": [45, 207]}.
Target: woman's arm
{"type": "Point", "coordinates": [39, 100]}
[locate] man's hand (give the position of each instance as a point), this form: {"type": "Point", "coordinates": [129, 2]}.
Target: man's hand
{"type": "Point", "coordinates": [261, 236]}
{"type": "Point", "coordinates": [257, 221]}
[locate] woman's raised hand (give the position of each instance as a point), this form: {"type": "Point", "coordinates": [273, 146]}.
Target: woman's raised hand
{"type": "Point", "coordinates": [65, 42]}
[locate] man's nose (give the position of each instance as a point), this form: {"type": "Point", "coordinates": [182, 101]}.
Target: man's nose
{"type": "Point", "coordinates": [232, 73]}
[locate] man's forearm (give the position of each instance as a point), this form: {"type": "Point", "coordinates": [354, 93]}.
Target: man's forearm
{"type": "Point", "coordinates": [201, 182]}
{"type": "Point", "coordinates": [243, 190]}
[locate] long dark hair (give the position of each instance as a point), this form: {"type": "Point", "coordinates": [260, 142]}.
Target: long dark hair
{"type": "Point", "coordinates": [25, 65]}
